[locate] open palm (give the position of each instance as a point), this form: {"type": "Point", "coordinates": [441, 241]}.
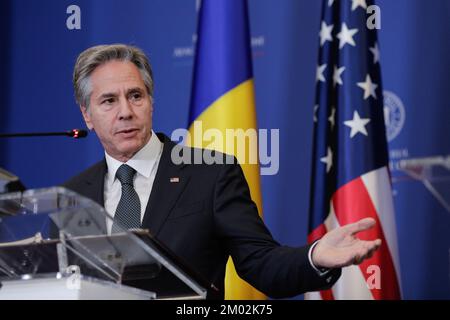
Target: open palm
{"type": "Point", "coordinates": [340, 247]}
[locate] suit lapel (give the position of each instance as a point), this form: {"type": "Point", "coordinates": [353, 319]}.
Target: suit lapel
{"type": "Point", "coordinates": [93, 188]}
{"type": "Point", "coordinates": [95, 183]}
{"type": "Point", "coordinates": [170, 181]}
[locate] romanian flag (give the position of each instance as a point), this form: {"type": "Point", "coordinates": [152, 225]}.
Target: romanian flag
{"type": "Point", "coordinates": [223, 98]}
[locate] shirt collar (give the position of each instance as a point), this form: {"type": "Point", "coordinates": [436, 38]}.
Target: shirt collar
{"type": "Point", "coordinates": [142, 161]}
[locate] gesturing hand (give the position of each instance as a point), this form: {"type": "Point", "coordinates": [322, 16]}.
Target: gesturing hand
{"type": "Point", "coordinates": [340, 247]}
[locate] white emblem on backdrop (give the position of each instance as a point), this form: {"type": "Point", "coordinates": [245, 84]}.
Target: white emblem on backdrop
{"type": "Point", "coordinates": [394, 114]}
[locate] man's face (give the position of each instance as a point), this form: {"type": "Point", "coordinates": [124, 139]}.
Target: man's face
{"type": "Point", "coordinates": [120, 109]}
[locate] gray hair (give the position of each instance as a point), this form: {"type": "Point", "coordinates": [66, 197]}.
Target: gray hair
{"type": "Point", "coordinates": [95, 56]}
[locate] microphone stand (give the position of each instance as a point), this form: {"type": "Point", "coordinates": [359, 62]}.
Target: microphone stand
{"type": "Point", "coordinates": [11, 183]}
{"type": "Point", "coordinates": [74, 133]}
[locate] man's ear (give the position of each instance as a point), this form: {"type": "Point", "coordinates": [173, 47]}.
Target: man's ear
{"type": "Point", "coordinates": [87, 117]}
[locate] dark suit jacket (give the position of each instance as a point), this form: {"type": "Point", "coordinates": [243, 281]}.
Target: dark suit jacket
{"type": "Point", "coordinates": [208, 216]}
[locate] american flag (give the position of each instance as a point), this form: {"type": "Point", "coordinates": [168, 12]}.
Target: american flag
{"type": "Point", "coordinates": [350, 177]}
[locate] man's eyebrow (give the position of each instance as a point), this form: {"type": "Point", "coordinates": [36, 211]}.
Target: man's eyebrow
{"type": "Point", "coordinates": [107, 95]}
{"type": "Point", "coordinates": [135, 89]}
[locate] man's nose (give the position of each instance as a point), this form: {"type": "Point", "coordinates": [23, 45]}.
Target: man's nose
{"type": "Point", "coordinates": [125, 110]}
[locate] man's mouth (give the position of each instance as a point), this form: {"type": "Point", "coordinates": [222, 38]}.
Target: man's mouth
{"type": "Point", "coordinates": [127, 132]}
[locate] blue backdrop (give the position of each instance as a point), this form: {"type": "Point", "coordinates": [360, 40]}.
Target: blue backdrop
{"type": "Point", "coordinates": [39, 50]}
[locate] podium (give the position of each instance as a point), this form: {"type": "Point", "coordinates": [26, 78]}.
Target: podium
{"type": "Point", "coordinates": [48, 288]}
{"type": "Point", "coordinates": [56, 244]}
{"type": "Point", "coordinates": [433, 173]}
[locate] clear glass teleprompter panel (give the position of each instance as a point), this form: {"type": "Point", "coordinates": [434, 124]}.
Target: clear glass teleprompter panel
{"type": "Point", "coordinates": [433, 173]}
{"type": "Point", "coordinates": [46, 231]}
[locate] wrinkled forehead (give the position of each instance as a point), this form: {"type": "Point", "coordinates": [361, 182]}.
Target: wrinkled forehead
{"type": "Point", "coordinates": [116, 75]}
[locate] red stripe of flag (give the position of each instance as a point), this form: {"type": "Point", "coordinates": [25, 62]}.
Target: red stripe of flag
{"type": "Point", "coordinates": [317, 233]}
{"type": "Point", "coordinates": [351, 203]}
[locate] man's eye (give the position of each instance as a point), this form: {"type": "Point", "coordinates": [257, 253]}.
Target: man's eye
{"type": "Point", "coordinates": [136, 96]}
{"type": "Point", "coordinates": [108, 101]}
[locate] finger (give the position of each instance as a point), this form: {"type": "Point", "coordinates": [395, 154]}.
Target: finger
{"type": "Point", "coordinates": [368, 255]}
{"type": "Point", "coordinates": [371, 246]}
{"type": "Point", "coordinates": [360, 225]}
{"type": "Point", "coordinates": [363, 255]}
{"type": "Point", "coordinates": [371, 252]}
{"type": "Point", "coordinates": [367, 250]}
{"type": "Point", "coordinates": [374, 245]}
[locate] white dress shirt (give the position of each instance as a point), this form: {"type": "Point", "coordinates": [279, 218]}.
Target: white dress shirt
{"type": "Point", "coordinates": [145, 162]}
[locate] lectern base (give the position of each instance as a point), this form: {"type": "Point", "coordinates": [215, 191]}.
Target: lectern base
{"type": "Point", "coordinates": [83, 288]}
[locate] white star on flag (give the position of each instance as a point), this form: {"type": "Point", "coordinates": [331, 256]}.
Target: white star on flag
{"type": "Point", "coordinates": [328, 160]}
{"type": "Point", "coordinates": [357, 125]}
{"type": "Point", "coordinates": [325, 33]}
{"type": "Point", "coordinates": [346, 36]}
{"type": "Point", "coordinates": [330, 3]}
{"type": "Point", "coordinates": [337, 75]}
{"type": "Point", "coordinates": [369, 87]}
{"type": "Point", "coordinates": [359, 3]}
{"type": "Point", "coordinates": [319, 73]}
{"type": "Point", "coordinates": [376, 53]}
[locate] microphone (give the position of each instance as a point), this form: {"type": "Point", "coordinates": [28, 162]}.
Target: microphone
{"type": "Point", "coordinates": [74, 133]}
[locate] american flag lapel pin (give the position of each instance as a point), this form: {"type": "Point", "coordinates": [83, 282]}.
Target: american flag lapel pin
{"type": "Point", "coordinates": [174, 180]}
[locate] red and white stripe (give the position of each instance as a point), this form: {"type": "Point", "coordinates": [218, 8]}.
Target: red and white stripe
{"type": "Point", "coordinates": [367, 196]}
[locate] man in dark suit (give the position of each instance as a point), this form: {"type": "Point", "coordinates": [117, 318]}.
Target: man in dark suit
{"type": "Point", "coordinates": [202, 212]}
